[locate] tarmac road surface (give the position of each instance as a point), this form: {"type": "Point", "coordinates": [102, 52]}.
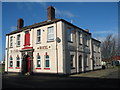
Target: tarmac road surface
{"type": "Point", "coordinates": [109, 80]}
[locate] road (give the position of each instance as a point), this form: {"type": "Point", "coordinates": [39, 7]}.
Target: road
{"type": "Point", "coordinates": [72, 81]}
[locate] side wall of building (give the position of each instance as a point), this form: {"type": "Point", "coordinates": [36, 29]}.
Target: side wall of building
{"type": "Point", "coordinates": [79, 51]}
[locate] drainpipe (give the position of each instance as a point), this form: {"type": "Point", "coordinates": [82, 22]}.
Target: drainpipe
{"type": "Point", "coordinates": [56, 50]}
{"type": "Point", "coordinates": [76, 53]}
{"type": "Point", "coordinates": [7, 53]}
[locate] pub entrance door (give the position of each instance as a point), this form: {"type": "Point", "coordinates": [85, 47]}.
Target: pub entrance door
{"type": "Point", "coordinates": [26, 64]}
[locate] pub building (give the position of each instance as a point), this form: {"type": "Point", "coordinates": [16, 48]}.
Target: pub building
{"type": "Point", "coordinates": [53, 46]}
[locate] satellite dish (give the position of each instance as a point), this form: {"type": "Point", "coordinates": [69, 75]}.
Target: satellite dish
{"type": "Point", "coordinates": [58, 39]}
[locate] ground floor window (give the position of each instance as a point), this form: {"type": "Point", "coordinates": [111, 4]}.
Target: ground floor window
{"type": "Point", "coordinates": [71, 61]}
{"type": "Point", "coordinates": [18, 61]}
{"type": "Point", "coordinates": [38, 61]}
{"type": "Point", "coordinates": [86, 61]}
{"type": "Point", "coordinates": [11, 61]}
{"type": "Point", "coordinates": [80, 61]}
{"type": "Point", "coordinates": [47, 61]}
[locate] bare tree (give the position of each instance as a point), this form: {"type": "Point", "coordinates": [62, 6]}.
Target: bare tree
{"type": "Point", "coordinates": [108, 48]}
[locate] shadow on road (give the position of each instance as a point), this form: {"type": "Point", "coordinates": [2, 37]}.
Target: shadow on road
{"type": "Point", "coordinates": [47, 81]}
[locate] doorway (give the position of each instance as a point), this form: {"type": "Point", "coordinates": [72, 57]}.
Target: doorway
{"type": "Point", "coordinates": [26, 64]}
{"type": "Point", "coordinates": [80, 63]}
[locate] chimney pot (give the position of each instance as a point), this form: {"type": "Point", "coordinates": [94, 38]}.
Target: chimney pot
{"type": "Point", "coordinates": [51, 13]}
{"type": "Point", "coordinates": [87, 30]}
{"type": "Point", "coordinates": [20, 23]}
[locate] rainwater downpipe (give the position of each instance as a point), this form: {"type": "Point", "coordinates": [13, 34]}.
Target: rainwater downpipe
{"type": "Point", "coordinates": [56, 49]}
{"type": "Point", "coordinates": [7, 53]}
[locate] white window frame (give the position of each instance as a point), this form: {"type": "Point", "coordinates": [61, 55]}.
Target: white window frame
{"type": "Point", "coordinates": [11, 41]}
{"type": "Point", "coordinates": [86, 60]}
{"type": "Point", "coordinates": [18, 40]}
{"type": "Point", "coordinates": [17, 61]}
{"type": "Point", "coordinates": [50, 34]}
{"type": "Point", "coordinates": [38, 60]}
{"type": "Point", "coordinates": [72, 62]}
{"type": "Point", "coordinates": [39, 36]}
{"type": "Point", "coordinates": [11, 60]}
{"type": "Point", "coordinates": [79, 37]}
{"type": "Point", "coordinates": [47, 59]}
{"type": "Point", "coordinates": [70, 34]}
{"type": "Point", "coordinates": [86, 40]}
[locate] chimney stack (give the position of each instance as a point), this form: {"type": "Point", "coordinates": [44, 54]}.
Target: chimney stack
{"type": "Point", "coordinates": [51, 13]}
{"type": "Point", "coordinates": [20, 23]}
{"type": "Point", "coordinates": [87, 30]}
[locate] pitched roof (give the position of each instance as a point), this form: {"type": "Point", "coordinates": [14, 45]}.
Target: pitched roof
{"type": "Point", "coordinates": [47, 22]}
{"type": "Point", "coordinates": [96, 40]}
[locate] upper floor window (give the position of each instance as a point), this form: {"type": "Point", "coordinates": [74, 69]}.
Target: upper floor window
{"type": "Point", "coordinates": [38, 36]}
{"type": "Point", "coordinates": [27, 38]}
{"type": "Point", "coordinates": [70, 34]}
{"type": "Point", "coordinates": [79, 38]}
{"type": "Point", "coordinates": [18, 40]}
{"type": "Point", "coordinates": [86, 40]}
{"type": "Point", "coordinates": [11, 41]}
{"type": "Point", "coordinates": [50, 34]}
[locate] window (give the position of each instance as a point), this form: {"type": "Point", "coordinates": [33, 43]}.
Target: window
{"type": "Point", "coordinates": [18, 61]}
{"type": "Point", "coordinates": [38, 36]}
{"type": "Point", "coordinates": [79, 38]}
{"type": "Point", "coordinates": [71, 62]}
{"type": "Point", "coordinates": [80, 61]}
{"type": "Point", "coordinates": [27, 38]}
{"type": "Point", "coordinates": [50, 34]}
{"type": "Point", "coordinates": [86, 40]}
{"type": "Point", "coordinates": [18, 40]}
{"type": "Point", "coordinates": [47, 64]}
{"type": "Point", "coordinates": [86, 60]}
{"type": "Point", "coordinates": [70, 34]}
{"type": "Point", "coordinates": [38, 61]}
{"type": "Point", "coordinates": [11, 61]}
{"type": "Point", "coordinates": [11, 41]}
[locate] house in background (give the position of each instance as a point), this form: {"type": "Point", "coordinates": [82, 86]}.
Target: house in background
{"type": "Point", "coordinates": [116, 61]}
{"type": "Point", "coordinates": [52, 46]}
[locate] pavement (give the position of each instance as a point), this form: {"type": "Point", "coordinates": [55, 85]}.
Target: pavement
{"type": "Point", "coordinates": [112, 72]}
{"type": "Point", "coordinates": [108, 78]}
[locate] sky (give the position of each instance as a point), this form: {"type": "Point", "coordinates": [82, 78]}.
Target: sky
{"type": "Point", "coordinates": [101, 18]}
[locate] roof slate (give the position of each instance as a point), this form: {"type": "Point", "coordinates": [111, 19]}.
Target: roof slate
{"type": "Point", "coordinates": [42, 24]}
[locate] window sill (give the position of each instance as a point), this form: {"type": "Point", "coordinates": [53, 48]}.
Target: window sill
{"type": "Point", "coordinates": [50, 41]}
{"type": "Point", "coordinates": [72, 67]}
{"type": "Point", "coordinates": [70, 41]}
{"type": "Point", "coordinates": [18, 46]}
{"type": "Point", "coordinates": [47, 68]}
{"type": "Point", "coordinates": [86, 66]}
{"type": "Point", "coordinates": [26, 45]}
{"type": "Point", "coordinates": [10, 67]}
{"type": "Point", "coordinates": [11, 47]}
{"type": "Point", "coordinates": [80, 44]}
{"type": "Point", "coordinates": [38, 42]}
{"type": "Point", "coordinates": [17, 67]}
{"type": "Point", "coordinates": [38, 68]}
